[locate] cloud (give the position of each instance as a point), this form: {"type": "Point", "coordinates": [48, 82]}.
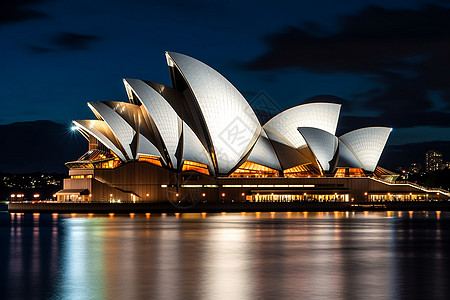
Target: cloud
{"type": "Point", "coordinates": [66, 41]}
{"type": "Point", "coordinates": [372, 41]}
{"type": "Point", "coordinates": [18, 10]}
{"type": "Point", "coordinates": [405, 52]}
{"type": "Point", "coordinates": [193, 6]}
{"type": "Point", "coordinates": [73, 41]}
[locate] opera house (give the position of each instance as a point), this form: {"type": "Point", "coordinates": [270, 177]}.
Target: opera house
{"type": "Point", "coordinates": [200, 140]}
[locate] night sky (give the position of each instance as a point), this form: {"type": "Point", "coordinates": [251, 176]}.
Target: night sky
{"type": "Point", "coordinates": [388, 62]}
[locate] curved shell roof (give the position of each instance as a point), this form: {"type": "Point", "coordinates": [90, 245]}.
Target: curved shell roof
{"type": "Point", "coordinates": [264, 154]}
{"type": "Point", "coordinates": [119, 127]}
{"type": "Point", "coordinates": [100, 130]}
{"type": "Point", "coordinates": [322, 143]}
{"type": "Point", "coordinates": [283, 127]}
{"type": "Point", "coordinates": [365, 145]}
{"type": "Point", "coordinates": [205, 119]}
{"type": "Point", "coordinates": [230, 121]}
{"type": "Point", "coordinates": [193, 149]}
{"type": "Point", "coordinates": [163, 115]}
{"type": "Point", "coordinates": [146, 147]}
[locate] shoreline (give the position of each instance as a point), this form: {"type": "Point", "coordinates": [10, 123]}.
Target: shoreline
{"type": "Point", "coordinates": [168, 207]}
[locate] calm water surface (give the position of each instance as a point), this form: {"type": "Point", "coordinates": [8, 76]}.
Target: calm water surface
{"type": "Point", "coordinates": [384, 255]}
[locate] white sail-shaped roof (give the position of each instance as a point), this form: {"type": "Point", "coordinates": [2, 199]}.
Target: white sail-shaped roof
{"type": "Point", "coordinates": [193, 149]}
{"type": "Point", "coordinates": [322, 143]}
{"type": "Point", "coordinates": [146, 147]}
{"type": "Point", "coordinates": [103, 133]}
{"type": "Point", "coordinates": [283, 127]}
{"type": "Point", "coordinates": [264, 154]}
{"type": "Point", "coordinates": [121, 129]}
{"type": "Point", "coordinates": [163, 115]}
{"type": "Point", "coordinates": [347, 158]}
{"type": "Point", "coordinates": [230, 121]}
{"type": "Point", "coordinates": [366, 145]}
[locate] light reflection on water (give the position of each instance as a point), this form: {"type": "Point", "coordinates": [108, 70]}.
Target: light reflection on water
{"type": "Point", "coordinates": [336, 255]}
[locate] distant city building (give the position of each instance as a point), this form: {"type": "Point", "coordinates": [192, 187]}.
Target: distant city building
{"type": "Point", "coordinates": [433, 160]}
{"type": "Point", "coordinates": [415, 168]}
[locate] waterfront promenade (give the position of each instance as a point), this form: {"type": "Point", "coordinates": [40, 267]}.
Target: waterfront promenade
{"type": "Point", "coordinates": [167, 207]}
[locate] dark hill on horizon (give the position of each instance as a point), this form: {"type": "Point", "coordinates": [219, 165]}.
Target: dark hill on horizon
{"type": "Point", "coordinates": [46, 145]}
{"type": "Point", "coordinates": [39, 146]}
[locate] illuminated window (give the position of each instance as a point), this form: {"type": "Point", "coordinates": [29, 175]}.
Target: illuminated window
{"type": "Point", "coordinates": [95, 159]}
{"type": "Point", "coordinates": [306, 170]}
{"type": "Point", "coordinates": [356, 172]}
{"type": "Point", "coordinates": [340, 172]}
{"type": "Point", "coordinates": [251, 169]}
{"type": "Point", "coordinates": [195, 166]}
{"type": "Point", "coordinates": [154, 160]}
{"type": "Point", "coordinates": [80, 176]}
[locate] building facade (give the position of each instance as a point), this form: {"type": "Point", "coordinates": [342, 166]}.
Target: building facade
{"type": "Point", "coordinates": [433, 160]}
{"type": "Point", "coordinates": [200, 140]}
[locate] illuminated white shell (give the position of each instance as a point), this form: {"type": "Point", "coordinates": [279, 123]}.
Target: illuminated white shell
{"type": "Point", "coordinates": [322, 143]}
{"type": "Point", "coordinates": [365, 146]}
{"type": "Point", "coordinates": [100, 130]}
{"type": "Point", "coordinates": [230, 121]}
{"type": "Point", "coordinates": [164, 116]}
{"type": "Point", "coordinates": [283, 127]}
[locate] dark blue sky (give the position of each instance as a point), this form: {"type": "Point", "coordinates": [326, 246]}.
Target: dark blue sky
{"type": "Point", "coordinates": [387, 61]}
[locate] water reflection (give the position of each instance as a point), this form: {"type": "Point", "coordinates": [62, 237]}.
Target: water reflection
{"type": "Point", "coordinates": [29, 255]}
{"type": "Point", "coordinates": [321, 255]}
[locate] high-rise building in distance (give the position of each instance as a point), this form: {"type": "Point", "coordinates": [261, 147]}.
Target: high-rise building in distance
{"type": "Point", "coordinates": [433, 160]}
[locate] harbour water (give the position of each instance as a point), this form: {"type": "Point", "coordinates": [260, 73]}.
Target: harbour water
{"type": "Point", "coordinates": [293, 255]}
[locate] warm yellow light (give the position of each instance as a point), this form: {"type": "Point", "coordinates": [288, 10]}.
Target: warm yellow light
{"type": "Point", "coordinates": [54, 195]}
{"type": "Point", "coordinates": [203, 215]}
{"type": "Point", "coordinates": [365, 194]}
{"type": "Point", "coordinates": [110, 195]}
{"type": "Point", "coordinates": [177, 195]}
{"type": "Point", "coordinates": [132, 215]}
{"type": "Point", "coordinates": [177, 215]}
{"type": "Point", "coordinates": [148, 195]}
{"type": "Point", "coordinates": [243, 194]}
{"type": "Point", "coordinates": [13, 195]}
{"type": "Point", "coordinates": [111, 215]}
{"type": "Point", "coordinates": [73, 215]}
{"type": "Point", "coordinates": [223, 194]}
{"type": "Point", "coordinates": [203, 194]}
{"type": "Point", "coordinates": [147, 215]}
